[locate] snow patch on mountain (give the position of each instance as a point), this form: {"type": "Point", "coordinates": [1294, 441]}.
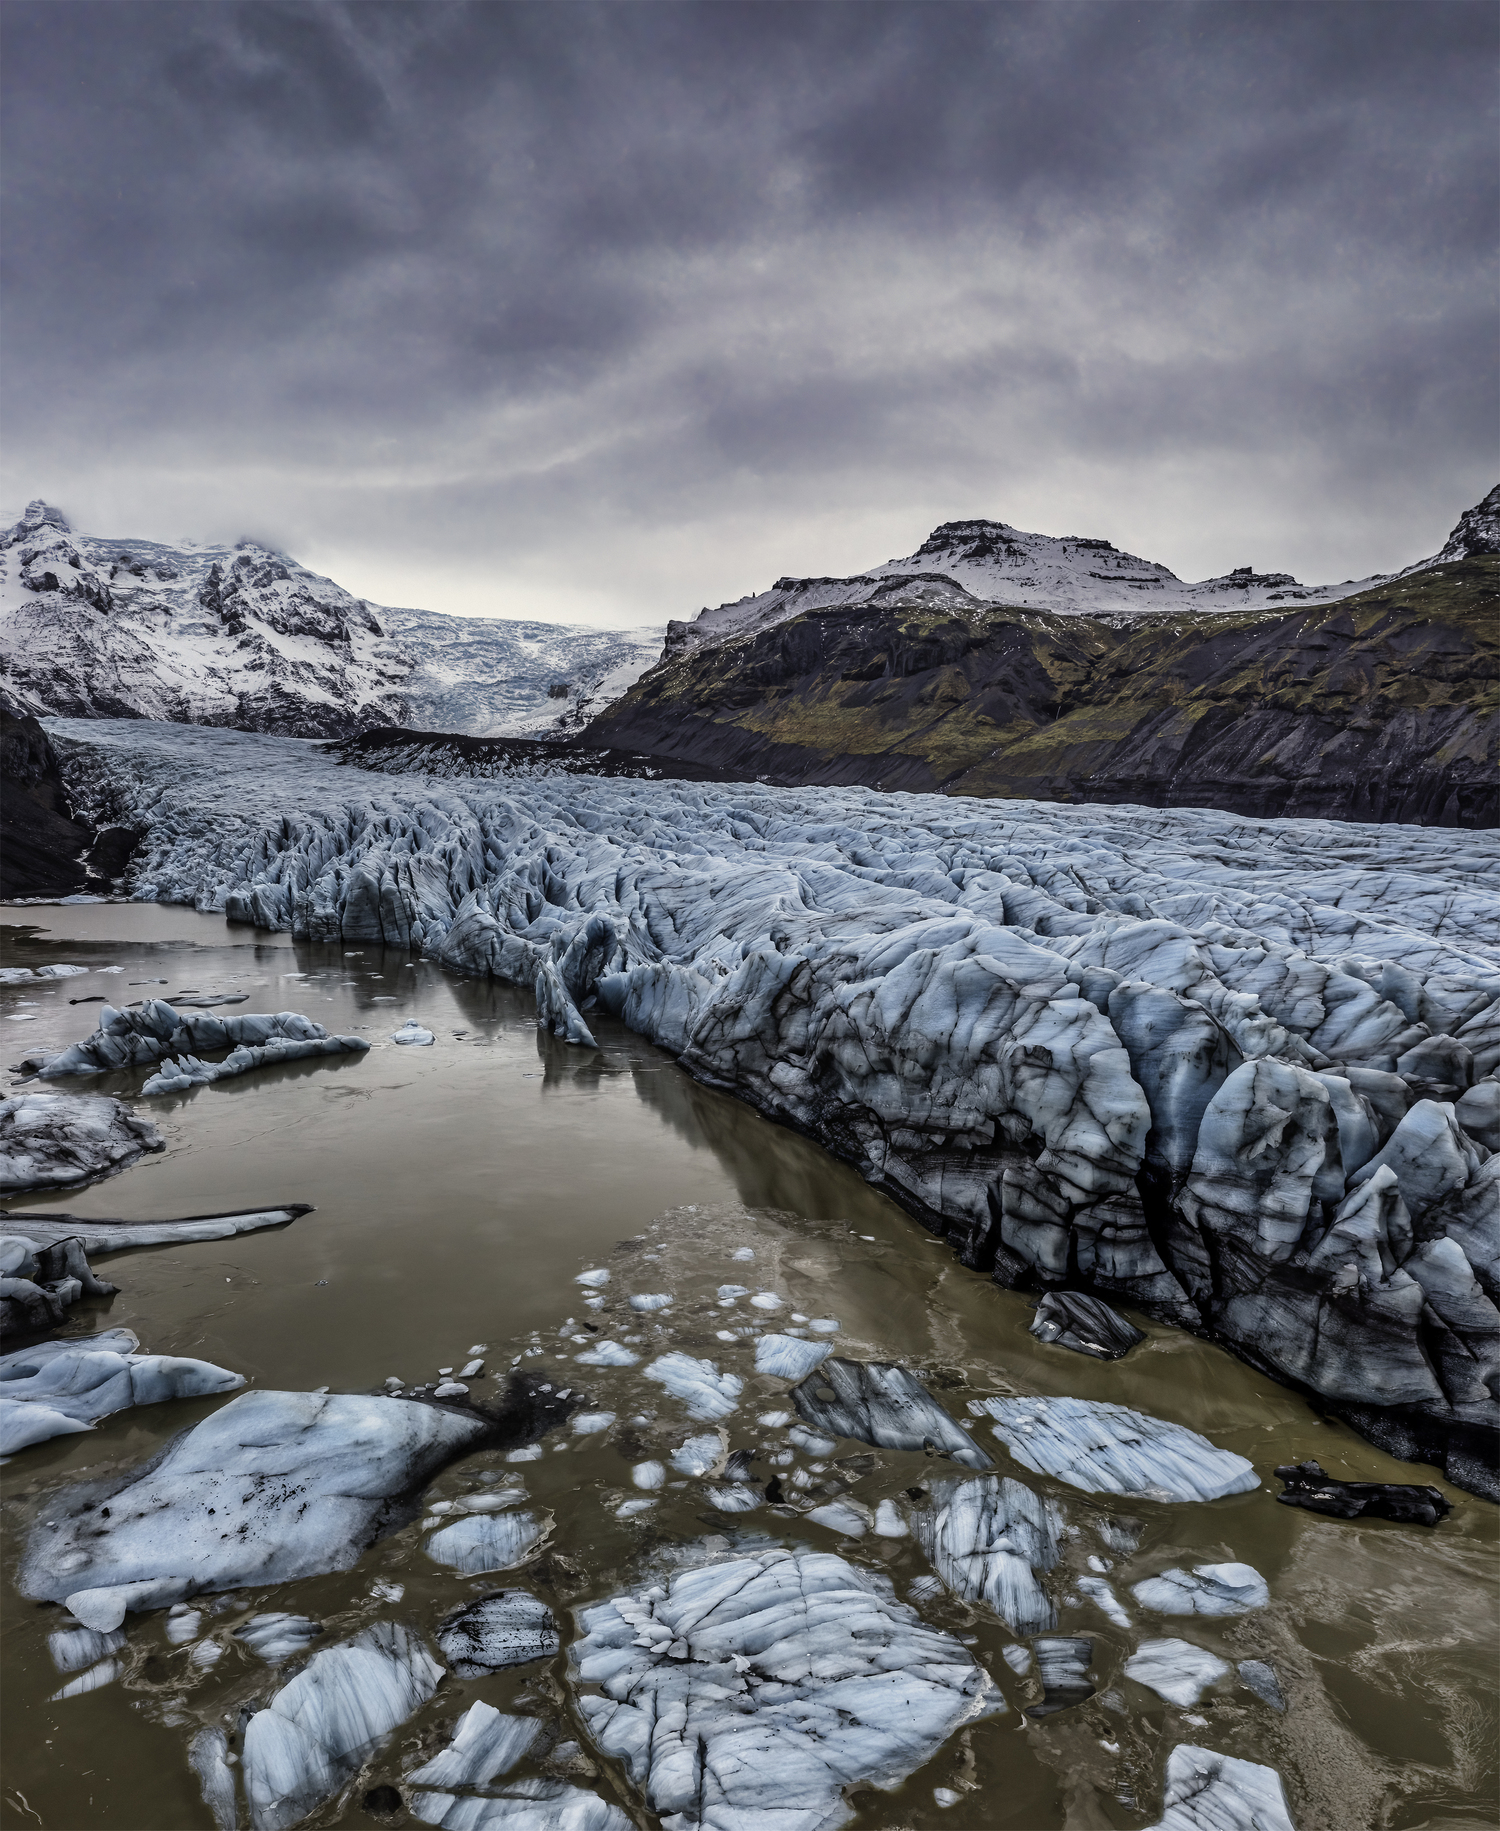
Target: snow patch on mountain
{"type": "Point", "coordinates": [243, 636]}
{"type": "Point", "coordinates": [972, 565]}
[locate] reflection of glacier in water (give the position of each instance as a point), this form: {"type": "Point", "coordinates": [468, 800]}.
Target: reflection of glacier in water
{"type": "Point", "coordinates": [459, 1190]}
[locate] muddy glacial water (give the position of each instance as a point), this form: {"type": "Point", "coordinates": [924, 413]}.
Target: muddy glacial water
{"type": "Point", "coordinates": [458, 1191]}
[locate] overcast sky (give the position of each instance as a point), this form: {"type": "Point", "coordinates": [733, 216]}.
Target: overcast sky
{"type": "Point", "coordinates": [606, 312]}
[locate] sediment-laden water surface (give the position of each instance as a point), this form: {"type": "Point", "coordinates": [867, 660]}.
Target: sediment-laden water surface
{"type": "Point", "coordinates": [459, 1191]}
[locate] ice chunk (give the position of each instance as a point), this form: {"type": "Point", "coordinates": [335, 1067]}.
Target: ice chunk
{"type": "Point", "coordinates": [1062, 1663]}
{"type": "Point", "coordinates": [322, 1724]}
{"type": "Point", "coordinates": [847, 1517]}
{"type": "Point", "coordinates": [120, 1236]}
{"type": "Point", "coordinates": [732, 1496]}
{"type": "Point", "coordinates": [482, 1542]}
{"type": "Point", "coordinates": [1086, 1324]}
{"type": "Point", "coordinates": [651, 1300]}
{"type": "Point", "coordinates": [1098, 1590]}
{"type": "Point", "coordinates": [813, 1442]}
{"type": "Point", "coordinates": [104, 1673]}
{"type": "Point", "coordinates": [1175, 1669]}
{"type": "Point", "coordinates": [766, 1300]}
{"type": "Point", "coordinates": [888, 1521]}
{"type": "Point", "coordinates": [485, 1744]}
{"type": "Point", "coordinates": [412, 1032]}
{"type": "Point", "coordinates": [987, 1538]}
{"type": "Point", "coordinates": [648, 1475]}
{"type": "Point", "coordinates": [756, 1689]}
{"type": "Point", "coordinates": [278, 1637]}
{"type": "Point", "coordinates": [706, 1392]}
{"type": "Point", "coordinates": [74, 1648]}
{"type": "Point", "coordinates": [607, 1354]}
{"type": "Point", "coordinates": [727, 1293]}
{"type": "Point", "coordinates": [510, 1628]}
{"type": "Point", "coordinates": [595, 1280]}
{"type": "Point", "coordinates": [206, 1757]}
{"type": "Point", "coordinates": [1207, 1791]}
{"type": "Point", "coordinates": [784, 1357]}
{"type": "Point", "coordinates": [1257, 1676]}
{"type": "Point", "coordinates": [588, 1423]}
{"type": "Point", "coordinates": [824, 1325]}
{"type": "Point", "coordinates": [210, 1514]}
{"type": "Point", "coordinates": [699, 1455]}
{"type": "Point", "coordinates": [50, 1139]}
{"type": "Point", "coordinates": [64, 1386]}
{"type": "Point", "coordinates": [877, 1402]}
{"type": "Point", "coordinates": [1108, 1449]}
{"type": "Point", "coordinates": [1018, 1658]}
{"type": "Point", "coordinates": [1208, 1589]}
{"type": "Point", "coordinates": [521, 1805]}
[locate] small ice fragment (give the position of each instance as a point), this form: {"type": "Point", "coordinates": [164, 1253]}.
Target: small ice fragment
{"type": "Point", "coordinates": [824, 1325]}
{"type": "Point", "coordinates": [595, 1279]}
{"type": "Point", "coordinates": [812, 1441]}
{"type": "Point", "coordinates": [450, 1389]}
{"type": "Point", "coordinates": [444, 1372]}
{"type": "Point", "coordinates": [392, 1384]}
{"type": "Point", "coordinates": [629, 1508]}
{"type": "Point", "coordinates": [1261, 1678]}
{"type": "Point", "coordinates": [206, 1654]}
{"type": "Point", "coordinates": [945, 1796]}
{"type": "Point", "coordinates": [707, 1393]}
{"type": "Point", "coordinates": [1099, 1564]}
{"type": "Point", "coordinates": [585, 1423]}
{"type": "Point", "coordinates": [648, 1475]}
{"type": "Point", "coordinates": [888, 1521]}
{"type": "Point", "coordinates": [727, 1293]}
{"type": "Point", "coordinates": [593, 1303]}
{"type": "Point", "coordinates": [725, 1335]}
{"type": "Point", "coordinates": [412, 1032]}
{"type": "Point", "coordinates": [798, 1318]}
{"type": "Point", "coordinates": [532, 1453]}
{"type": "Point", "coordinates": [383, 1590]}
{"type": "Point", "coordinates": [91, 1680]}
{"type": "Point", "coordinates": [650, 1300]}
{"type": "Point", "coordinates": [1018, 1659]}
{"type": "Point", "coordinates": [479, 1347]}
{"type": "Point", "coordinates": [1099, 1591]}
{"type": "Point", "coordinates": [784, 1357]}
{"type": "Point", "coordinates": [923, 1589]}
{"type": "Point", "coordinates": [733, 1496]}
{"type": "Point", "coordinates": [766, 1300]}
{"type": "Point", "coordinates": [773, 1420]}
{"type": "Point", "coordinates": [182, 1624]}
{"type": "Point", "coordinates": [699, 1454]}
{"type": "Point", "coordinates": [847, 1517]}
{"type": "Point", "coordinates": [1208, 1589]}
{"type": "Point", "coordinates": [1175, 1669]}
{"type": "Point", "coordinates": [472, 1370]}
{"type": "Point", "coordinates": [481, 1542]}
{"type": "Point", "coordinates": [607, 1354]}
{"type": "Point", "coordinates": [743, 1252]}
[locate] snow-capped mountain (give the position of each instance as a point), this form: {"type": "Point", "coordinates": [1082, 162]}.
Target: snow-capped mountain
{"type": "Point", "coordinates": [997, 564]}
{"type": "Point", "coordinates": [246, 637]}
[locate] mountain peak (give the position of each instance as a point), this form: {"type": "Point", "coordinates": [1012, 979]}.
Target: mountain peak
{"type": "Point", "coordinates": [1477, 533]}
{"type": "Point", "coordinates": [39, 513]}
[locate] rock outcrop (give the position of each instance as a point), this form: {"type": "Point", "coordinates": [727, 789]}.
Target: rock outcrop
{"type": "Point", "coordinates": [1382, 706]}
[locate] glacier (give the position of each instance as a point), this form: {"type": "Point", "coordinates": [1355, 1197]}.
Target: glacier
{"type": "Point", "coordinates": [1206, 1065]}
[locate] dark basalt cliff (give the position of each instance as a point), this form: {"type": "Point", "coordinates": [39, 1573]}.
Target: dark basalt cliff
{"type": "Point", "coordinates": [1381, 706]}
{"type": "Point", "coordinates": [44, 850]}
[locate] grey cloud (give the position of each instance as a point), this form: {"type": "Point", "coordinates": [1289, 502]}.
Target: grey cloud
{"type": "Point", "coordinates": [460, 288]}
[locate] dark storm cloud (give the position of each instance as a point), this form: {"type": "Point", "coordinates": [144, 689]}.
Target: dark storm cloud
{"type": "Point", "coordinates": [612, 308]}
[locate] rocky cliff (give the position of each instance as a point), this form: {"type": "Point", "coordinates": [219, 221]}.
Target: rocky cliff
{"type": "Point", "coordinates": [1378, 706]}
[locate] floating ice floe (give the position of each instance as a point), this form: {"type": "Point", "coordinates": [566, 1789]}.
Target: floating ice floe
{"type": "Point", "coordinates": [766, 1300]}
{"type": "Point", "coordinates": [1208, 1589]}
{"type": "Point", "coordinates": [606, 1354]}
{"type": "Point", "coordinates": [590, 1423]}
{"type": "Point", "coordinates": [208, 1757]}
{"type": "Point", "coordinates": [105, 1673]}
{"type": "Point", "coordinates": [987, 1538]}
{"type": "Point", "coordinates": [888, 1521]}
{"type": "Point", "coordinates": [1175, 1669]}
{"type": "Point", "coordinates": [732, 1496]}
{"type": "Point", "coordinates": [849, 1518]}
{"type": "Point", "coordinates": [1101, 1592]}
{"type": "Point", "coordinates": [594, 1280]}
{"type": "Point", "coordinates": [649, 1476]}
{"type": "Point", "coordinates": [877, 1402]}
{"type": "Point", "coordinates": [784, 1357]}
{"type": "Point", "coordinates": [158, 1030]}
{"type": "Point", "coordinates": [1258, 1676]}
{"type": "Point", "coordinates": [51, 1139]}
{"type": "Point", "coordinates": [74, 1648]}
{"type": "Point", "coordinates": [412, 1032]}
{"type": "Point", "coordinates": [210, 1512]}
{"type": "Point", "coordinates": [59, 1387]}
{"type": "Point", "coordinates": [1062, 1664]}
{"type": "Point", "coordinates": [1086, 1324]}
{"type": "Point", "coordinates": [41, 1280]}
{"type": "Point", "coordinates": [705, 1391]}
{"type": "Point", "coordinates": [485, 1745]}
{"type": "Point", "coordinates": [753, 1691]}
{"type": "Point", "coordinates": [528, 1804]}
{"type": "Point", "coordinates": [488, 1541]}
{"type": "Point", "coordinates": [647, 1301]}
{"type": "Point", "coordinates": [511, 1628]}
{"type": "Point", "coordinates": [1018, 1658]}
{"type": "Point", "coordinates": [278, 1637]}
{"type": "Point", "coordinates": [47, 1230]}
{"type": "Point", "coordinates": [699, 1455]}
{"type": "Point", "coordinates": [824, 1325]}
{"type": "Point", "coordinates": [322, 1724]}
{"type": "Point", "coordinates": [1109, 1449]}
{"type": "Point", "coordinates": [1207, 1791]}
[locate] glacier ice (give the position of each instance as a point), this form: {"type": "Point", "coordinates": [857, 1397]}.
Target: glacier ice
{"type": "Point", "coordinates": [153, 1033]}
{"type": "Point", "coordinates": [1143, 1052]}
{"type": "Point", "coordinates": [881, 1403]}
{"type": "Point", "coordinates": [488, 1541]}
{"type": "Point", "coordinates": [1207, 1791]}
{"type": "Point", "coordinates": [277, 1637]}
{"type": "Point", "coordinates": [1109, 1449]}
{"type": "Point", "coordinates": [322, 1724]}
{"type": "Point", "coordinates": [785, 1357]}
{"type": "Point", "coordinates": [211, 1511]}
{"type": "Point", "coordinates": [47, 1230]}
{"type": "Point", "coordinates": [42, 1274]}
{"type": "Point", "coordinates": [706, 1392]}
{"type": "Point", "coordinates": [46, 1139]}
{"type": "Point", "coordinates": [754, 1690]}
{"type": "Point", "coordinates": [989, 1539]}
{"type": "Point", "coordinates": [1062, 1664]}
{"type": "Point", "coordinates": [510, 1628]}
{"type": "Point", "coordinates": [59, 1387]}
{"type": "Point", "coordinates": [1085, 1324]}
{"type": "Point", "coordinates": [1207, 1589]}
{"type": "Point", "coordinates": [1175, 1670]}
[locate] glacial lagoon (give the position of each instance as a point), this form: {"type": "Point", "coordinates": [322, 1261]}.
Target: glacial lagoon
{"type": "Point", "coordinates": [458, 1192]}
